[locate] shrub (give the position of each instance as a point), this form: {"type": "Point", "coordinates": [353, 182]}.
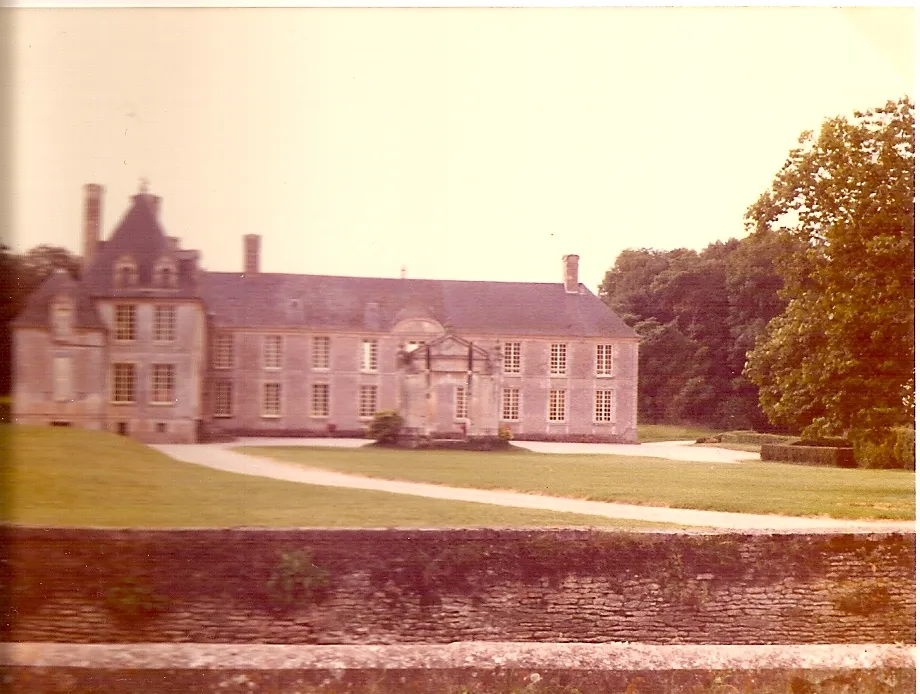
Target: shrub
{"type": "Point", "coordinates": [891, 449]}
{"type": "Point", "coordinates": [386, 426]}
{"type": "Point", "coordinates": [808, 455]}
{"type": "Point", "coordinates": [504, 433]}
{"type": "Point", "coordinates": [132, 599]}
{"type": "Point", "coordinates": [294, 577]}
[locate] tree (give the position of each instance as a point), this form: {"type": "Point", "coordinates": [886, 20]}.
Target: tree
{"type": "Point", "coordinates": [840, 359]}
{"type": "Point", "coordinates": [692, 313]}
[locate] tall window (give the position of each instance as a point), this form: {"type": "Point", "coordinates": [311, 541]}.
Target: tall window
{"type": "Point", "coordinates": [511, 362]}
{"type": "Point", "coordinates": [123, 382]}
{"type": "Point", "coordinates": [557, 405]}
{"type": "Point", "coordinates": [163, 383]}
{"type": "Point", "coordinates": [319, 400]}
{"type": "Point", "coordinates": [511, 404]}
{"type": "Point", "coordinates": [604, 361]}
{"type": "Point", "coordinates": [461, 403]}
{"type": "Point", "coordinates": [223, 351]}
{"type": "Point", "coordinates": [369, 355]}
{"type": "Point", "coordinates": [557, 359]}
{"type": "Point", "coordinates": [367, 401]}
{"type": "Point", "coordinates": [320, 353]}
{"type": "Point", "coordinates": [62, 318]}
{"type": "Point", "coordinates": [125, 322]}
{"type": "Point", "coordinates": [603, 405]}
{"type": "Point", "coordinates": [61, 375]}
{"type": "Point", "coordinates": [271, 352]}
{"type": "Point", "coordinates": [223, 398]}
{"type": "Point", "coordinates": [164, 323]}
{"type": "Point", "coordinates": [271, 399]}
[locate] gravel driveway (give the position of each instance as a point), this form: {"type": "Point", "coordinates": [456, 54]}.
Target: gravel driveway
{"type": "Point", "coordinates": [220, 457]}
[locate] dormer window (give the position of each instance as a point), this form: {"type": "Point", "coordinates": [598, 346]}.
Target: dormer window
{"type": "Point", "coordinates": [165, 273]}
{"type": "Point", "coordinates": [62, 317]}
{"type": "Point", "coordinates": [125, 272]}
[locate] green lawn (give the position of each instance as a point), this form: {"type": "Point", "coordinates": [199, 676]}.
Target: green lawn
{"type": "Point", "coordinates": [56, 476]}
{"type": "Point", "coordinates": [672, 432]}
{"type": "Point", "coordinates": [753, 487]}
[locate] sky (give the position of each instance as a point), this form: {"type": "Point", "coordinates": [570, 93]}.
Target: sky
{"type": "Point", "coordinates": [478, 144]}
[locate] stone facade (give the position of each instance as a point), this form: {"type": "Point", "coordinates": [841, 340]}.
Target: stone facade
{"type": "Point", "coordinates": [253, 353]}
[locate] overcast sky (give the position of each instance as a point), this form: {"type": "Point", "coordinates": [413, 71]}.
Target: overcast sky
{"type": "Point", "coordinates": [461, 144]}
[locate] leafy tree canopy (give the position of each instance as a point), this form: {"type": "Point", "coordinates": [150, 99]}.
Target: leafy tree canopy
{"type": "Point", "coordinates": [840, 358]}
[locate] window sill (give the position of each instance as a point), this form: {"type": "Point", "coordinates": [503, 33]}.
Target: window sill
{"type": "Point", "coordinates": [319, 416]}
{"type": "Point", "coordinates": [122, 402]}
{"type": "Point", "coordinates": [222, 416]}
{"type": "Point", "coordinates": [603, 375]}
{"type": "Point", "coordinates": [270, 416]}
{"type": "Point", "coordinates": [157, 403]}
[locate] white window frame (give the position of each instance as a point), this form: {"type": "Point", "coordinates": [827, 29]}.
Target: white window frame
{"type": "Point", "coordinates": [367, 406]}
{"type": "Point", "coordinates": [132, 370]}
{"type": "Point", "coordinates": [162, 393]}
{"type": "Point", "coordinates": [556, 406]}
{"type": "Point", "coordinates": [603, 405]}
{"type": "Point", "coordinates": [320, 393]}
{"type": "Point", "coordinates": [224, 350]}
{"type": "Point", "coordinates": [511, 404]}
{"type": "Point", "coordinates": [461, 404]}
{"type": "Point", "coordinates": [164, 323]}
{"type": "Point", "coordinates": [558, 359]}
{"type": "Point", "coordinates": [322, 353]}
{"type": "Point", "coordinates": [603, 360]}
{"type": "Point", "coordinates": [272, 352]}
{"type": "Point", "coordinates": [265, 411]}
{"type": "Point", "coordinates": [511, 358]}
{"type": "Point", "coordinates": [370, 355]}
{"type": "Point", "coordinates": [125, 322]}
{"type": "Point", "coordinates": [62, 379]}
{"type": "Point", "coordinates": [223, 406]}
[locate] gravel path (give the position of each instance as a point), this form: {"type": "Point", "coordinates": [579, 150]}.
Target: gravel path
{"type": "Point", "coordinates": [218, 456]}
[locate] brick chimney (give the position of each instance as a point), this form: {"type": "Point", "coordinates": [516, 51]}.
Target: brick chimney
{"type": "Point", "coordinates": [251, 243]}
{"type": "Point", "coordinates": [570, 273]}
{"type": "Point", "coordinates": [92, 221]}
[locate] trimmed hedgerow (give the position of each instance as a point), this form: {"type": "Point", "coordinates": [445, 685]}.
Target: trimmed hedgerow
{"type": "Point", "coordinates": [808, 455]}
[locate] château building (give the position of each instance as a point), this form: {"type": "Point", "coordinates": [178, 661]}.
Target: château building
{"type": "Point", "coordinates": [151, 345]}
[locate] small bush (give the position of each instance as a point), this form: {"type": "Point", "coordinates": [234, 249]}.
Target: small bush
{"type": "Point", "coordinates": [504, 433]}
{"type": "Point", "coordinates": [294, 577]}
{"type": "Point", "coordinates": [808, 455]}
{"type": "Point", "coordinates": [892, 449]}
{"type": "Point", "coordinates": [752, 438]}
{"type": "Point", "coordinates": [132, 599]}
{"type": "Point", "coordinates": [386, 426]}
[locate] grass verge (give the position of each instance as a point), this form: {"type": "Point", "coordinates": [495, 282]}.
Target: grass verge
{"type": "Point", "coordinates": [73, 477]}
{"type": "Point", "coordinates": [751, 487]}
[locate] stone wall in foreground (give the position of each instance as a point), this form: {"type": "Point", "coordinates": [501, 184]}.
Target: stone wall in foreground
{"type": "Point", "coordinates": [441, 586]}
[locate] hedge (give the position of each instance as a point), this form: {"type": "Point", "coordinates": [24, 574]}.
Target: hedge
{"type": "Point", "coordinates": [808, 455]}
{"type": "Point", "coordinates": [752, 437]}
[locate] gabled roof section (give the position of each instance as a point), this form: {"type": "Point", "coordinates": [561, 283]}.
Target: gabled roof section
{"type": "Point", "coordinates": [140, 237]}
{"type": "Point", "coordinates": [37, 311]}
{"type": "Point", "coordinates": [464, 307]}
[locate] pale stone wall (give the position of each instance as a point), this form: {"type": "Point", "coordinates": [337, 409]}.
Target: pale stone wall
{"type": "Point", "coordinates": [33, 403]}
{"type": "Point", "coordinates": [396, 389]}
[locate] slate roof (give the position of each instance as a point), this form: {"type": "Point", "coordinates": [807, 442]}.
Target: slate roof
{"type": "Point", "coordinates": [271, 300]}
{"type": "Point", "coordinates": [37, 311]}
{"type": "Point", "coordinates": [140, 236]}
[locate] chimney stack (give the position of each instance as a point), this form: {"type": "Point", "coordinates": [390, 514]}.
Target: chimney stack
{"type": "Point", "coordinates": [251, 244]}
{"type": "Point", "coordinates": [92, 221]}
{"type": "Point", "coordinates": [570, 273]}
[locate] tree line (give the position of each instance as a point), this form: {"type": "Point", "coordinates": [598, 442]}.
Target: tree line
{"type": "Point", "coordinates": [807, 323]}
